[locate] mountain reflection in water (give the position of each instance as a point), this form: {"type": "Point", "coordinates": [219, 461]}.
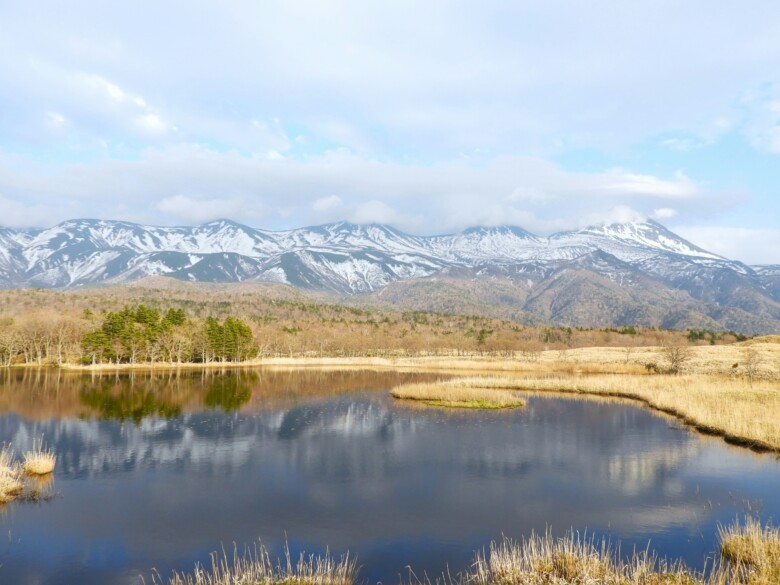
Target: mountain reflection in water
{"type": "Point", "coordinates": [157, 470]}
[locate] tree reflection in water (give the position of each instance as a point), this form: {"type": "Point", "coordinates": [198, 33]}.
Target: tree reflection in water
{"type": "Point", "coordinates": [230, 392]}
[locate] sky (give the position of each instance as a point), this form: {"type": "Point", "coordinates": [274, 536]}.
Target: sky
{"type": "Point", "coordinates": [430, 116]}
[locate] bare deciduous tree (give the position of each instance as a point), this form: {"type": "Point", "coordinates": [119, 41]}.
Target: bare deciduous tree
{"type": "Point", "coordinates": [675, 357]}
{"type": "Point", "coordinates": [751, 359]}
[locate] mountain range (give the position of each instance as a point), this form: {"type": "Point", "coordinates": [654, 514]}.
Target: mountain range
{"type": "Point", "coordinates": [637, 273]}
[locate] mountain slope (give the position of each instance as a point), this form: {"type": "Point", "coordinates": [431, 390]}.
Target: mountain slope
{"type": "Point", "coordinates": [638, 272]}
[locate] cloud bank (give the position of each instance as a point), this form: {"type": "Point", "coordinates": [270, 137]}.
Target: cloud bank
{"type": "Point", "coordinates": [432, 116]}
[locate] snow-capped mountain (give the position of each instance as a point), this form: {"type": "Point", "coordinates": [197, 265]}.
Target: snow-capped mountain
{"type": "Point", "coordinates": [351, 259]}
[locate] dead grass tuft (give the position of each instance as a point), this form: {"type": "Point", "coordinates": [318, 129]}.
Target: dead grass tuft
{"type": "Point", "coordinates": [10, 485]}
{"type": "Point", "coordinates": [39, 461]}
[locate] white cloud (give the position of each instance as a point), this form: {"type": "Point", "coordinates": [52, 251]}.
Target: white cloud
{"type": "Point", "coordinates": [632, 183]}
{"type": "Point", "coordinates": [375, 211]}
{"type": "Point", "coordinates": [152, 123]}
{"type": "Point", "coordinates": [620, 214]}
{"type": "Point", "coordinates": [20, 214]}
{"type": "Point", "coordinates": [750, 245]}
{"type": "Point", "coordinates": [190, 183]}
{"type": "Point", "coordinates": [664, 213]}
{"type": "Point", "coordinates": [327, 204]}
{"type": "Point", "coordinates": [489, 77]}
{"type": "Point", "coordinates": [104, 87]}
{"type": "Point", "coordinates": [193, 210]}
{"type": "Point", "coordinates": [262, 103]}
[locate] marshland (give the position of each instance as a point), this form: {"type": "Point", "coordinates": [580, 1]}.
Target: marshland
{"type": "Point", "coordinates": [324, 459]}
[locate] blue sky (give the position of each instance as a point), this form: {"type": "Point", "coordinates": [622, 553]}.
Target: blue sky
{"type": "Point", "coordinates": [431, 116]}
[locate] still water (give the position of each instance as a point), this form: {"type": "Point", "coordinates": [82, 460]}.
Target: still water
{"type": "Point", "coordinates": [156, 471]}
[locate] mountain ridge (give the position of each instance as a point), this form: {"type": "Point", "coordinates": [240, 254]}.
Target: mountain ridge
{"type": "Point", "coordinates": [616, 267]}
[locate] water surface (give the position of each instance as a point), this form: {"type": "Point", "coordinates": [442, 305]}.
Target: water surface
{"type": "Point", "coordinates": [156, 471]}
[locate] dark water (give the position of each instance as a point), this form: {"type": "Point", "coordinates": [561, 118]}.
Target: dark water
{"type": "Point", "coordinates": [158, 472]}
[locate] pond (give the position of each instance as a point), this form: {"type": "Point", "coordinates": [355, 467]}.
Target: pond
{"type": "Point", "coordinates": [156, 471]}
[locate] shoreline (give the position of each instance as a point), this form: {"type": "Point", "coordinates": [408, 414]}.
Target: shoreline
{"type": "Point", "coordinates": [716, 361]}
{"type": "Point", "coordinates": [715, 392]}
{"type": "Point", "coordinates": [419, 363]}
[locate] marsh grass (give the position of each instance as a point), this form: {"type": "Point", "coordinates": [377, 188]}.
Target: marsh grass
{"type": "Point", "coordinates": [39, 461]}
{"type": "Point", "coordinates": [11, 485]}
{"type": "Point", "coordinates": [744, 414]}
{"type": "Point", "coordinates": [456, 393]}
{"type": "Point", "coordinates": [16, 481]}
{"type": "Point", "coordinates": [753, 550]}
{"type": "Point", "coordinates": [577, 560]}
{"type": "Point", "coordinates": [254, 567]}
{"type": "Point", "coordinates": [750, 555]}
{"type": "Point", "coordinates": [570, 560]}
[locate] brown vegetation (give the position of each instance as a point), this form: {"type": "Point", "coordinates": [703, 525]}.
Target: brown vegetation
{"type": "Point", "coordinates": [733, 408]}
{"type": "Point", "coordinates": [572, 560]}
{"type": "Point", "coordinates": [41, 327]}
{"type": "Point", "coordinates": [753, 548]}
{"type": "Point", "coordinates": [39, 461]}
{"type": "Point", "coordinates": [457, 393]}
{"type": "Point", "coordinates": [750, 556]}
{"type": "Point", "coordinates": [24, 480]}
{"type": "Point", "coordinates": [256, 568]}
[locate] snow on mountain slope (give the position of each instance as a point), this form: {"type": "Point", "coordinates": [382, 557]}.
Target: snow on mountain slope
{"type": "Point", "coordinates": [769, 276]}
{"type": "Point", "coordinates": [350, 258]}
{"type": "Point", "coordinates": [481, 244]}
{"type": "Point", "coordinates": [632, 241]}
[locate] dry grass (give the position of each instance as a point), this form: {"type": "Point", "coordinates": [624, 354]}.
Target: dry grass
{"type": "Point", "coordinates": [717, 360]}
{"type": "Point", "coordinates": [39, 461]}
{"type": "Point", "coordinates": [256, 568]}
{"type": "Point", "coordinates": [11, 485]}
{"type": "Point", "coordinates": [457, 394]}
{"type": "Point", "coordinates": [573, 560]}
{"type": "Point", "coordinates": [17, 481]}
{"type": "Point", "coordinates": [544, 560]}
{"type": "Point", "coordinates": [753, 550]}
{"type": "Point", "coordinates": [750, 556]}
{"type": "Point", "coordinates": [6, 459]}
{"type": "Point", "coordinates": [743, 414]}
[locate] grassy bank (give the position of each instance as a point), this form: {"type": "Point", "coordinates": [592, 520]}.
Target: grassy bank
{"type": "Point", "coordinates": [743, 413]}
{"type": "Point", "coordinates": [749, 556]}
{"type": "Point", "coordinates": [456, 394]}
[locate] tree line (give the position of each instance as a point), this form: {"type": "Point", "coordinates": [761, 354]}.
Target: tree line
{"type": "Point", "coordinates": [129, 325]}
{"type": "Point", "coordinates": [133, 335]}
